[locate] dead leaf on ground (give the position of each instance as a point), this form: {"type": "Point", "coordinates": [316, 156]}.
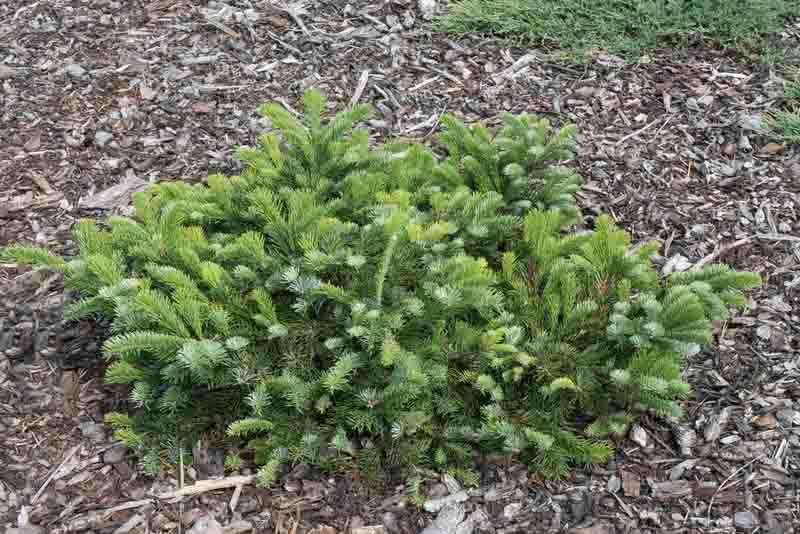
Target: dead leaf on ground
{"type": "Point", "coordinates": [773, 148]}
{"type": "Point", "coordinates": [631, 483]}
{"type": "Point", "coordinates": [765, 422]}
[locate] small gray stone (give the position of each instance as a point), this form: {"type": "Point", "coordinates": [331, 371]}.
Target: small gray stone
{"type": "Point", "coordinates": [788, 417]}
{"type": "Point", "coordinates": [452, 484]}
{"type": "Point", "coordinates": [745, 520]}
{"type": "Point", "coordinates": [597, 528]}
{"type": "Point", "coordinates": [408, 19]}
{"type": "Point", "coordinates": [205, 525]}
{"type": "Point", "coordinates": [465, 527]}
{"type": "Point", "coordinates": [74, 140]}
{"type": "Point", "coordinates": [771, 524]}
{"type": "Point", "coordinates": [677, 471]}
{"type": "Point", "coordinates": [239, 527]}
{"type": "Point", "coordinates": [379, 124]}
{"type": "Point", "coordinates": [706, 100]}
{"type": "Point", "coordinates": [744, 143]}
{"type": "Point", "coordinates": [75, 70]}
{"type": "Point", "coordinates": [580, 504]}
{"type": "Point", "coordinates": [685, 437]}
{"type": "Point", "coordinates": [794, 170]}
{"type": "Point", "coordinates": [115, 454]}
{"type": "Point", "coordinates": [7, 72]}
{"type": "Point", "coordinates": [448, 520]}
{"type": "Point", "coordinates": [498, 492]}
{"type": "Point", "coordinates": [437, 490]}
{"type": "Point", "coordinates": [512, 510]}
{"type": "Point", "coordinates": [129, 525]}
{"type": "Point", "coordinates": [102, 138]}
{"type": "Point", "coordinates": [427, 8]}
{"type": "Point", "coordinates": [614, 484]}
{"type": "Point", "coordinates": [93, 431]}
{"type": "Point", "coordinates": [676, 264]}
{"type": "Point", "coordinates": [252, 15]}
{"type": "Point", "coordinates": [390, 522]}
{"type": "Point", "coordinates": [638, 434]}
{"type": "Point", "coordinates": [699, 230]}
{"type": "Point", "coordinates": [27, 529]}
{"type": "Point", "coordinates": [115, 163]}
{"type": "Point", "coordinates": [753, 123]}
{"type": "Point", "coordinates": [479, 518]}
{"type": "Point", "coordinates": [434, 505]}
{"type": "Point", "coordinates": [728, 440]}
{"type": "Point", "coordinates": [599, 173]}
{"type": "Point", "coordinates": [716, 425]}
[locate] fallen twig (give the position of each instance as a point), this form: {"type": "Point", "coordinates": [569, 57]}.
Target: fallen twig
{"type": "Point", "coordinates": [778, 237]}
{"type": "Point", "coordinates": [724, 482]}
{"type": "Point", "coordinates": [641, 130]}
{"type": "Point", "coordinates": [288, 106]}
{"type": "Point", "coordinates": [719, 252]}
{"type": "Point", "coordinates": [362, 84]}
{"type": "Point", "coordinates": [292, 11]}
{"type": "Point", "coordinates": [235, 498]}
{"type": "Point", "coordinates": [283, 43]}
{"type": "Point", "coordinates": [130, 524]}
{"type": "Point", "coordinates": [423, 84]}
{"type": "Point", "coordinates": [208, 485]}
{"type": "Point", "coordinates": [447, 75]}
{"type": "Point", "coordinates": [125, 506]}
{"type": "Point", "coordinates": [42, 182]}
{"type": "Point", "coordinates": [92, 518]}
{"type": "Point", "coordinates": [50, 478]}
{"type": "Point", "coordinates": [511, 71]}
{"type": "Point", "coordinates": [220, 26]}
{"type": "Point", "coordinates": [622, 504]}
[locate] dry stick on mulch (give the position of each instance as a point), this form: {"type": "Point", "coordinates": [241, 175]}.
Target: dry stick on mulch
{"type": "Point", "coordinates": [724, 482]}
{"type": "Point", "coordinates": [292, 13]}
{"type": "Point", "coordinates": [719, 252]}
{"type": "Point", "coordinates": [237, 492]}
{"type": "Point", "coordinates": [208, 485]}
{"type": "Point", "coordinates": [195, 489]}
{"type": "Point", "coordinates": [362, 84]}
{"type": "Point", "coordinates": [778, 237]}
{"type": "Point", "coordinates": [50, 478]}
{"type": "Point", "coordinates": [642, 130]}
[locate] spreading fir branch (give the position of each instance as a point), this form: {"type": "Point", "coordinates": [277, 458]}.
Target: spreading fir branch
{"type": "Point", "coordinates": [386, 308]}
{"type": "Point", "coordinates": [35, 256]}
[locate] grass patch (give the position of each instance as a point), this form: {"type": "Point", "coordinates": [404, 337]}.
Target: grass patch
{"type": "Point", "coordinates": [792, 92]}
{"type": "Point", "coordinates": [785, 124]}
{"type": "Point", "coordinates": [628, 27]}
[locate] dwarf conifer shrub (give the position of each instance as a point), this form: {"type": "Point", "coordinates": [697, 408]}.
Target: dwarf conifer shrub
{"type": "Point", "coordinates": [385, 308]}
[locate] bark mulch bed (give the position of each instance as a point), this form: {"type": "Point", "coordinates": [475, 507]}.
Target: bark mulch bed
{"type": "Point", "coordinates": [100, 97]}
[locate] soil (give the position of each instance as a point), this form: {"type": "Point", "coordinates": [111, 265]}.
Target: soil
{"type": "Point", "coordinates": [101, 97]}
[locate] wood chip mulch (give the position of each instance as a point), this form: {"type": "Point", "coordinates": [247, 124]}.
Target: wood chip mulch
{"type": "Point", "coordinates": [100, 97]}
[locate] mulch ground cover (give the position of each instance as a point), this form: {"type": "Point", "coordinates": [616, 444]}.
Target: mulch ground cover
{"type": "Point", "coordinates": [98, 98]}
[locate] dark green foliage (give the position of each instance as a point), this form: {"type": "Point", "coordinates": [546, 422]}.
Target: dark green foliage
{"type": "Point", "coordinates": [380, 309]}
{"type": "Point", "coordinates": [624, 26]}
